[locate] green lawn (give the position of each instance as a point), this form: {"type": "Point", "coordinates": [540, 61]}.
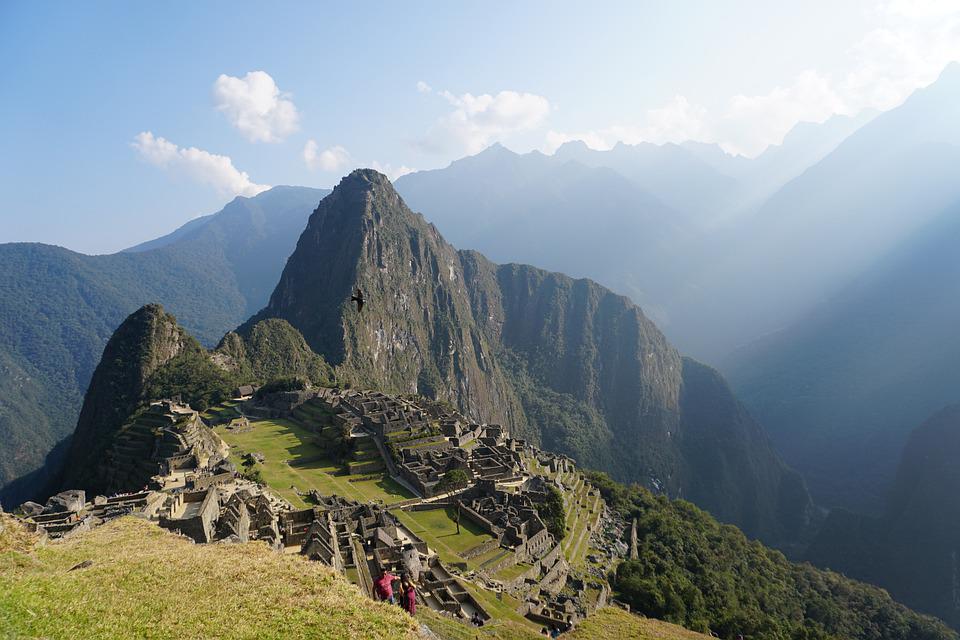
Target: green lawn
{"type": "Point", "coordinates": [282, 440]}
{"type": "Point", "coordinates": [513, 571]}
{"type": "Point", "coordinates": [504, 611]}
{"type": "Point", "coordinates": [611, 623]}
{"type": "Point", "coordinates": [438, 529]}
{"type": "Point", "coordinates": [447, 628]}
{"type": "Point", "coordinates": [497, 553]}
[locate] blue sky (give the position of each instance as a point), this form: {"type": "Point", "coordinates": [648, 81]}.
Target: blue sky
{"type": "Point", "coordinates": [404, 85]}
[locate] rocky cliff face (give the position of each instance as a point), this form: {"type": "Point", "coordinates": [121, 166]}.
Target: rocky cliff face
{"type": "Point", "coordinates": [913, 549]}
{"type": "Point", "coordinates": [144, 342]}
{"type": "Point", "coordinates": [565, 362]}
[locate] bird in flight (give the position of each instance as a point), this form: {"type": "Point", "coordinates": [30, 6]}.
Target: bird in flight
{"type": "Point", "coordinates": [358, 298]}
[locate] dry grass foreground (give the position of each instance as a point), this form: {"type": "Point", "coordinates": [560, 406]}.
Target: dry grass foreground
{"type": "Point", "coordinates": [14, 536]}
{"type": "Point", "coordinates": [144, 582]}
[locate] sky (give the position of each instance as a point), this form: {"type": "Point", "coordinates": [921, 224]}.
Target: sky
{"type": "Point", "coordinates": [121, 121]}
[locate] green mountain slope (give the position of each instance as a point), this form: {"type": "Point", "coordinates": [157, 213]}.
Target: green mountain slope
{"type": "Point", "coordinates": [537, 351]}
{"type": "Point", "coordinates": [912, 548]}
{"type": "Point", "coordinates": [58, 308]}
{"type": "Point", "coordinates": [691, 570]}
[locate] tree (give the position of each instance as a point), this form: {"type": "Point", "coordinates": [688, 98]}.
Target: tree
{"type": "Point", "coordinates": [453, 480]}
{"type": "Point", "coordinates": [552, 513]}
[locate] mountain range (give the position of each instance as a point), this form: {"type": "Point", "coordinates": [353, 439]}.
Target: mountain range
{"type": "Point", "coordinates": [843, 324]}
{"type": "Point", "coordinates": [841, 389]}
{"type": "Point", "coordinates": [874, 353]}
{"type": "Point", "coordinates": [565, 363]}
{"type": "Point", "coordinates": [649, 221]}
{"type": "Point", "coordinates": [58, 308]}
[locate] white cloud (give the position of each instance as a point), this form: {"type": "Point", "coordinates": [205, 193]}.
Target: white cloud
{"type": "Point", "coordinates": [333, 159]}
{"type": "Point", "coordinates": [919, 9]}
{"type": "Point", "coordinates": [752, 123]}
{"type": "Point", "coordinates": [423, 87]}
{"type": "Point", "coordinates": [202, 166]}
{"type": "Point", "coordinates": [390, 171]}
{"type": "Point", "coordinates": [255, 105]}
{"type": "Point", "coordinates": [910, 44]}
{"type": "Point", "coordinates": [476, 121]}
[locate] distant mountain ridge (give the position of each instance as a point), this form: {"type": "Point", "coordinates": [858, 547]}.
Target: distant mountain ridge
{"type": "Point", "coordinates": [874, 352]}
{"type": "Point", "coordinates": [822, 229]}
{"type": "Point", "coordinates": [649, 221]}
{"type": "Point", "coordinates": [58, 308]}
{"type": "Point", "coordinates": [527, 348]}
{"type": "Point", "coordinates": [871, 362]}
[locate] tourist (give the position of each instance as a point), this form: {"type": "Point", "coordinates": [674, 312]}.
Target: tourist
{"type": "Point", "coordinates": [401, 594]}
{"type": "Point", "coordinates": [408, 597]}
{"type": "Point", "coordinates": [476, 620]}
{"type": "Point", "coordinates": [383, 587]}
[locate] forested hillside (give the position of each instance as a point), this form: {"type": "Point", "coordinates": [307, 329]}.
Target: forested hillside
{"type": "Point", "coordinates": [694, 571]}
{"type": "Point", "coordinates": [58, 308]}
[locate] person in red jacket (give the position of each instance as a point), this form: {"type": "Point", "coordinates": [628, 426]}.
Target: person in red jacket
{"type": "Point", "coordinates": [408, 597]}
{"type": "Point", "coordinates": [383, 587]}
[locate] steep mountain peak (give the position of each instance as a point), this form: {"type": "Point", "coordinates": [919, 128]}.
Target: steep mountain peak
{"type": "Point", "coordinates": [571, 148]}
{"type": "Point", "coordinates": [148, 339]}
{"type": "Point", "coordinates": [365, 193]}
{"type": "Point", "coordinates": [364, 179]}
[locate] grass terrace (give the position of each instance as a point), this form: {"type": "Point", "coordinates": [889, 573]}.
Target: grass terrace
{"type": "Point", "coordinates": [491, 556]}
{"type": "Point", "coordinates": [221, 414]}
{"type": "Point", "coordinates": [283, 442]}
{"type": "Point", "coordinates": [576, 544]}
{"type": "Point", "coordinates": [439, 530]}
{"type": "Point", "coordinates": [512, 572]}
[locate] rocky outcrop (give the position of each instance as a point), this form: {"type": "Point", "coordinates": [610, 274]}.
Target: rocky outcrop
{"type": "Point", "coordinates": [564, 362]}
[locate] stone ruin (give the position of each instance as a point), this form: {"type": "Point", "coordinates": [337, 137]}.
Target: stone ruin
{"type": "Point", "coordinates": [512, 519]}
{"type": "Point", "coordinates": [364, 540]}
{"type": "Point", "coordinates": [191, 489]}
{"type": "Point", "coordinates": [68, 513]}
{"type": "Point", "coordinates": [166, 439]}
{"type": "Point", "coordinates": [421, 440]}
